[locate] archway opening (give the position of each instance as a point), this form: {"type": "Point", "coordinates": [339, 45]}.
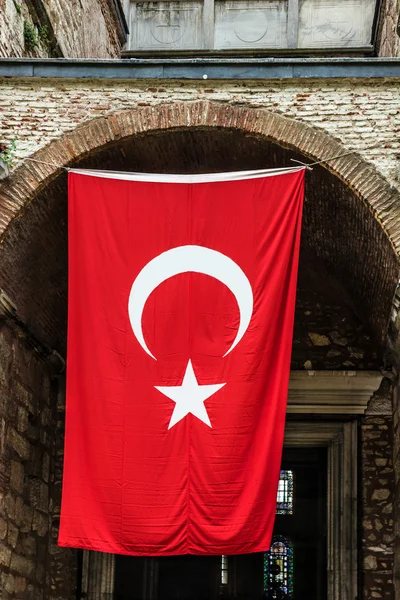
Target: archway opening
{"type": "Point", "coordinates": [347, 265]}
{"type": "Point", "coordinates": [347, 278]}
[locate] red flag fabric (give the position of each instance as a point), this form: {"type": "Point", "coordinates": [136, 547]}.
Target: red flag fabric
{"type": "Point", "coordinates": [181, 307]}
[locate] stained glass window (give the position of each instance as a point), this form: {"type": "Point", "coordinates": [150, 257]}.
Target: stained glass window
{"type": "Point", "coordinates": [284, 501]}
{"type": "Point", "coordinates": [278, 570]}
{"type": "Point", "coordinates": [278, 562]}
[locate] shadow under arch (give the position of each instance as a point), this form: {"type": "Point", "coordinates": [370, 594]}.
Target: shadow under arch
{"type": "Point", "coordinates": [351, 222]}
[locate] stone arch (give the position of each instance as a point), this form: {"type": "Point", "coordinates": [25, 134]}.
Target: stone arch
{"type": "Point", "coordinates": [314, 143]}
{"type": "Point", "coordinates": [379, 199]}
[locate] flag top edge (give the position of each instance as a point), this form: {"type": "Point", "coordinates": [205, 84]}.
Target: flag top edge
{"type": "Point", "coordinates": [174, 178]}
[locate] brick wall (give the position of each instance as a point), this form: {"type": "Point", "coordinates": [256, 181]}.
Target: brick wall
{"type": "Point", "coordinates": [363, 114]}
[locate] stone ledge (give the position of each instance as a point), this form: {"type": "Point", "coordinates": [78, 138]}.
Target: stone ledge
{"type": "Point", "coordinates": [331, 392]}
{"type": "Point", "coordinates": [203, 68]}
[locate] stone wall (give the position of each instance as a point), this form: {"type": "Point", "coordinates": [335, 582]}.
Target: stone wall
{"type": "Point", "coordinates": [396, 462]}
{"type": "Point", "coordinates": [53, 28]}
{"type": "Point", "coordinates": [88, 28]}
{"type": "Point", "coordinates": [377, 530]}
{"type": "Point", "coordinates": [327, 332]}
{"type": "Point", "coordinates": [14, 18]}
{"type": "Point", "coordinates": [30, 566]}
{"type": "Point", "coordinates": [62, 571]}
{"type": "Point", "coordinates": [388, 31]}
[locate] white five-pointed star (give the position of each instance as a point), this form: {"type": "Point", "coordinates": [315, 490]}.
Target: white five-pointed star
{"type": "Point", "coordinates": [189, 397]}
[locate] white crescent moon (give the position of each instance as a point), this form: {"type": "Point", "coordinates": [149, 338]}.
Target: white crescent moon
{"type": "Point", "coordinates": [184, 259]}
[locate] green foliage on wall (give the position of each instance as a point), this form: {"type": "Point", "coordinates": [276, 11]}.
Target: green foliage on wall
{"type": "Point", "coordinates": [30, 36]}
{"type": "Point", "coordinates": [7, 152]}
{"type": "Point", "coordinates": [43, 34]}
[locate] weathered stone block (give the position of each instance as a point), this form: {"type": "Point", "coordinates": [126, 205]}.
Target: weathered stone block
{"type": "Point", "coordinates": [371, 435]}
{"type": "Point", "coordinates": [8, 583]}
{"type": "Point", "coordinates": [382, 494]}
{"type": "Point", "coordinates": [18, 443]}
{"type": "Point", "coordinates": [318, 339]}
{"type": "Point", "coordinates": [19, 584]}
{"type": "Point", "coordinates": [333, 353]}
{"type": "Point", "coordinates": [34, 465]}
{"type": "Point", "coordinates": [39, 495]}
{"type": "Point", "coordinates": [45, 417]}
{"type": "Point", "coordinates": [28, 545]}
{"type": "Point", "coordinates": [370, 563]}
{"type": "Point", "coordinates": [17, 476]}
{"type": "Point", "coordinates": [339, 339]}
{"type": "Point", "coordinates": [22, 565]}
{"type": "Point", "coordinates": [9, 504]}
{"type": "Point", "coordinates": [23, 395]}
{"type": "Point", "coordinates": [40, 523]}
{"type": "Point", "coordinates": [44, 497]}
{"type": "Point", "coordinates": [34, 492]}
{"type": "Point", "coordinates": [3, 528]}
{"type": "Point", "coordinates": [33, 432]}
{"type": "Point", "coordinates": [5, 355]}
{"type": "Point", "coordinates": [388, 538]}
{"type": "Point", "coordinates": [23, 516]}
{"type": "Point", "coordinates": [12, 535]}
{"type": "Point", "coordinates": [5, 555]}
{"type": "Point", "coordinates": [22, 422]}
{"type": "Point", "coordinates": [378, 524]}
{"type": "Point", "coordinates": [367, 524]}
{"type": "Point", "coordinates": [46, 467]}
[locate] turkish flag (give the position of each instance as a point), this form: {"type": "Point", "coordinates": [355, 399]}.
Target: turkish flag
{"type": "Point", "coordinates": [181, 307]}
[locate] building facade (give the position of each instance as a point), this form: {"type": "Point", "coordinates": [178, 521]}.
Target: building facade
{"type": "Point", "coordinates": [172, 90]}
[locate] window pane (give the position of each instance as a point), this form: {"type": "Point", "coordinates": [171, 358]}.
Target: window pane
{"type": "Point", "coordinates": [224, 570]}
{"type": "Point", "coordinates": [284, 501]}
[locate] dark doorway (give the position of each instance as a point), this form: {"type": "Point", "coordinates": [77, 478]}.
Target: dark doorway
{"type": "Point", "coordinates": [294, 569]}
